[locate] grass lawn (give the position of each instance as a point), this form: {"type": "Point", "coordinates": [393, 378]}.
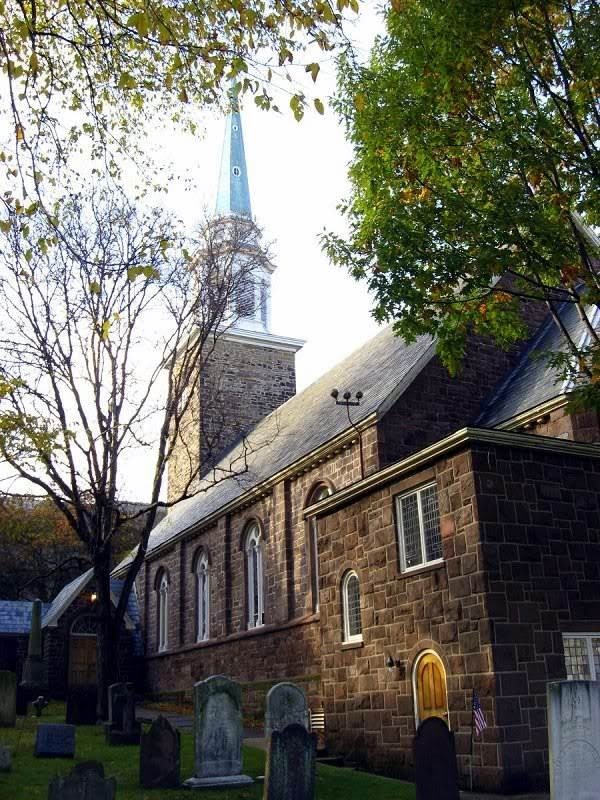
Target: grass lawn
{"type": "Point", "coordinates": [30, 776]}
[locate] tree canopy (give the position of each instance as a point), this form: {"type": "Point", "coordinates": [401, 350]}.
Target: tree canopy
{"type": "Point", "coordinates": [81, 75]}
{"type": "Point", "coordinates": [476, 133]}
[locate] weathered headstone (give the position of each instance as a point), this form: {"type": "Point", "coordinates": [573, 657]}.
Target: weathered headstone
{"type": "Point", "coordinates": [291, 763]}
{"type": "Point", "coordinates": [286, 705]}
{"type": "Point", "coordinates": [5, 759]}
{"type": "Point", "coordinates": [574, 739]}
{"type": "Point", "coordinates": [86, 782]}
{"type": "Point", "coordinates": [81, 705]}
{"type": "Point", "coordinates": [159, 756]}
{"type": "Point", "coordinates": [55, 741]}
{"type": "Point", "coordinates": [436, 774]}
{"type": "Point", "coordinates": [122, 727]}
{"type": "Point", "coordinates": [217, 734]}
{"type": "Point", "coordinates": [8, 699]}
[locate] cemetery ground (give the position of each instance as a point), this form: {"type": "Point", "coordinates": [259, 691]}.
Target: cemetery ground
{"type": "Point", "coordinates": [30, 776]}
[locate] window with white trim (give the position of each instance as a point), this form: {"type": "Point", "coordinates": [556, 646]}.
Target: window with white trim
{"type": "Point", "coordinates": [419, 528]}
{"type": "Point", "coordinates": [351, 608]}
{"type": "Point", "coordinates": [582, 656]}
{"type": "Point", "coordinates": [202, 599]}
{"type": "Point", "coordinates": [163, 613]}
{"type": "Point", "coordinates": [254, 571]}
{"type": "Point", "coordinates": [320, 493]}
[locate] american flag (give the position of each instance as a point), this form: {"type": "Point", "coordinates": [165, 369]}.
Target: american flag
{"type": "Point", "coordinates": [478, 718]}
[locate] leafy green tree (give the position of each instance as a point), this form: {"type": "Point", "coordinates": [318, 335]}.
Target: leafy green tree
{"type": "Point", "coordinates": [475, 181]}
{"type": "Point", "coordinates": [86, 75]}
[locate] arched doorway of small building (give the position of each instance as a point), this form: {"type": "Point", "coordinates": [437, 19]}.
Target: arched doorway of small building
{"type": "Point", "coordinates": [82, 651]}
{"type": "Point", "coordinates": [429, 687]}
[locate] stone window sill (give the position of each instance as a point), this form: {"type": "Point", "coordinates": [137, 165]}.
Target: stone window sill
{"type": "Point", "coordinates": [352, 645]}
{"type": "Point", "coordinates": [421, 570]}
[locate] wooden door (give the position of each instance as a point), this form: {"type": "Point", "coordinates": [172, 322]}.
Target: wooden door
{"type": "Point", "coordinates": [82, 661]}
{"type": "Point", "coordinates": [431, 688]}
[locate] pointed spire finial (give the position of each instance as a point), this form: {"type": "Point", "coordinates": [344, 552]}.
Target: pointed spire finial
{"type": "Point", "coordinates": [233, 194]}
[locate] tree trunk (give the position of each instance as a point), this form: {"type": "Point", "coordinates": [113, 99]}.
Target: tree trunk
{"type": "Point", "coordinates": [108, 637]}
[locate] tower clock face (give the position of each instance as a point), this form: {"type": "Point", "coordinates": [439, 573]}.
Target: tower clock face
{"type": "Point", "coordinates": [237, 172]}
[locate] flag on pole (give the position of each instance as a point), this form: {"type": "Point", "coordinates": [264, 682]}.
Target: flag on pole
{"type": "Point", "coordinates": [478, 718]}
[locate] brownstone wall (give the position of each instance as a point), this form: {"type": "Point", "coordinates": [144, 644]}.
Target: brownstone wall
{"type": "Point", "coordinates": [521, 545]}
{"type": "Point", "coordinates": [277, 651]}
{"type": "Point", "coordinates": [540, 528]}
{"type": "Point", "coordinates": [582, 426]}
{"type": "Point", "coordinates": [239, 386]}
{"type": "Point", "coordinates": [437, 404]}
{"type": "Point", "coordinates": [369, 708]}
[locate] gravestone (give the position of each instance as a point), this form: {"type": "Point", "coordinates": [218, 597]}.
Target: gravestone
{"type": "Point", "coordinates": [159, 756]}
{"type": "Point", "coordinates": [574, 739]}
{"type": "Point", "coordinates": [436, 774]}
{"type": "Point", "coordinates": [5, 759]}
{"type": "Point", "coordinates": [39, 704]}
{"type": "Point", "coordinates": [81, 705]}
{"type": "Point", "coordinates": [8, 699]}
{"type": "Point", "coordinates": [86, 782]}
{"type": "Point", "coordinates": [217, 734]}
{"type": "Point", "coordinates": [55, 741]}
{"type": "Point", "coordinates": [286, 705]}
{"type": "Point", "coordinates": [291, 762]}
{"type": "Point", "coordinates": [122, 727]}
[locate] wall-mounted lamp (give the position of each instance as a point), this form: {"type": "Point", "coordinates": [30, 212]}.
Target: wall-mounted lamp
{"type": "Point", "coordinates": [396, 667]}
{"type": "Point", "coordinates": [390, 663]}
{"type": "Point", "coordinates": [93, 597]}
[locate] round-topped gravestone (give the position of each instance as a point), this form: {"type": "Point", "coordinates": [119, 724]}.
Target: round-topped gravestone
{"type": "Point", "coordinates": [286, 705]}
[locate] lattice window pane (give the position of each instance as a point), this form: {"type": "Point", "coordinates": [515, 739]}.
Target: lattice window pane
{"type": "Point", "coordinates": [431, 523]}
{"type": "Point", "coordinates": [576, 658]}
{"type": "Point", "coordinates": [596, 655]}
{"type": "Point", "coordinates": [353, 601]}
{"type": "Point", "coordinates": [411, 531]}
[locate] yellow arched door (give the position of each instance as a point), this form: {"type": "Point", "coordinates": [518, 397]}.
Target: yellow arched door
{"type": "Point", "coordinates": [431, 696]}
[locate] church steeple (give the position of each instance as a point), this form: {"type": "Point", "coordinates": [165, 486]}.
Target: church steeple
{"type": "Point", "coordinates": [233, 194]}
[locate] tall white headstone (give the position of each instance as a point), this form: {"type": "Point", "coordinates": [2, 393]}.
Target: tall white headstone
{"type": "Point", "coordinates": [574, 739]}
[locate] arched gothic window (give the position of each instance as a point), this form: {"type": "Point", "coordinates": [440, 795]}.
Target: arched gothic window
{"type": "Point", "coordinates": [163, 613]}
{"type": "Point", "coordinates": [202, 599]}
{"type": "Point", "coordinates": [254, 571]}
{"type": "Point", "coordinates": [351, 608]}
{"type": "Point", "coordinates": [320, 493]}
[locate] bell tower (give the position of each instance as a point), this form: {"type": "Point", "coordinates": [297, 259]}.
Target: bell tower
{"type": "Point", "coordinates": [251, 371]}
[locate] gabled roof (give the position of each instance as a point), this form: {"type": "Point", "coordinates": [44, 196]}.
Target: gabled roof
{"type": "Point", "coordinates": [382, 369]}
{"type": "Point", "coordinates": [532, 381]}
{"type": "Point", "coordinates": [64, 599]}
{"type": "Point", "coordinates": [15, 616]}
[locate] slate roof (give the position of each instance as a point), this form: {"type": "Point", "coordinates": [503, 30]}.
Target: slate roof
{"type": "Point", "coordinates": [532, 382]}
{"type": "Point", "coordinates": [64, 598]}
{"type": "Point", "coordinates": [133, 612]}
{"type": "Point", "coordinates": [382, 369]}
{"type": "Point", "coordinates": [15, 616]}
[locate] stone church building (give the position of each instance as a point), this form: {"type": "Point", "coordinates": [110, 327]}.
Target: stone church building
{"type": "Point", "coordinates": [439, 536]}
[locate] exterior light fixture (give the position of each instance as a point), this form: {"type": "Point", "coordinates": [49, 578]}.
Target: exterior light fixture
{"type": "Point", "coordinates": [347, 402]}
{"type": "Point", "coordinates": [93, 597]}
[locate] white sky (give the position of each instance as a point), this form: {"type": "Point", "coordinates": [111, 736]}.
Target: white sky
{"type": "Point", "coordinates": [297, 176]}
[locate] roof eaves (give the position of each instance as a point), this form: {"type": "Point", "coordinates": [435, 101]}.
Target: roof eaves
{"type": "Point", "coordinates": [346, 438]}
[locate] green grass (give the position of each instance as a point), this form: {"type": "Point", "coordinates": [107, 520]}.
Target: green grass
{"type": "Point", "coordinates": [30, 776]}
